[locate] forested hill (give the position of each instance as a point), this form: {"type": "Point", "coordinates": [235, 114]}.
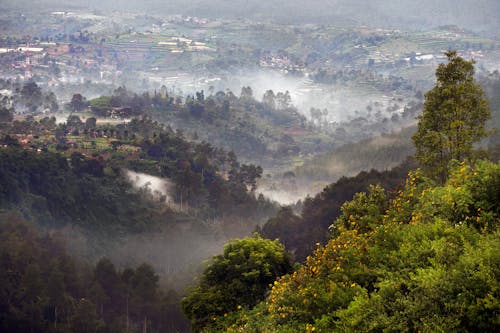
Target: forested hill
{"type": "Point", "coordinates": [262, 132]}
{"type": "Point", "coordinates": [422, 257]}
{"type": "Point", "coordinates": [380, 153]}
{"type": "Point", "coordinates": [427, 260]}
{"type": "Point", "coordinates": [73, 173]}
{"type": "Point", "coordinates": [300, 233]}
{"type": "Point", "coordinates": [82, 183]}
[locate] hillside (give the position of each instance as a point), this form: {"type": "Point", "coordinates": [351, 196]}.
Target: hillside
{"type": "Point", "coordinates": [264, 133]}
{"type": "Point", "coordinates": [425, 260]}
{"type": "Point", "coordinates": [135, 192]}
{"type": "Point", "coordinates": [405, 13]}
{"type": "Point", "coordinates": [300, 233]}
{"type": "Point", "coordinates": [419, 258]}
{"type": "Point", "coordinates": [388, 150]}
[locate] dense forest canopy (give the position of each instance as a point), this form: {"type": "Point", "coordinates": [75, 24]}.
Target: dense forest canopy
{"type": "Point", "coordinates": [425, 260]}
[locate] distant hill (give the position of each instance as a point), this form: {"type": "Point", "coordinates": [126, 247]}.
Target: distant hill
{"type": "Point", "coordinates": [479, 15]}
{"type": "Point", "coordinates": [388, 150]}
{"type": "Point", "coordinates": [380, 153]}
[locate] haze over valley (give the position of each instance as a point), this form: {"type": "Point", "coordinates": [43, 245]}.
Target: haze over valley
{"type": "Point", "coordinates": [139, 139]}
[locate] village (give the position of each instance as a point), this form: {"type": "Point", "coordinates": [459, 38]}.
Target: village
{"type": "Point", "coordinates": [81, 44]}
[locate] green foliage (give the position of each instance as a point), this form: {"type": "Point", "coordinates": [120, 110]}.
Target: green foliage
{"type": "Point", "coordinates": [426, 260]}
{"type": "Point", "coordinates": [256, 131]}
{"type": "Point", "coordinates": [78, 103]}
{"type": "Point", "coordinates": [363, 213]}
{"type": "Point", "coordinates": [101, 105]}
{"type": "Point", "coordinates": [454, 117]}
{"type": "Point", "coordinates": [32, 96]}
{"type": "Point", "coordinates": [240, 277]}
{"type": "Point", "coordinates": [6, 114]}
{"type": "Point", "coordinates": [46, 188]}
{"type": "Point", "coordinates": [447, 281]}
{"type": "Point", "coordinates": [91, 190]}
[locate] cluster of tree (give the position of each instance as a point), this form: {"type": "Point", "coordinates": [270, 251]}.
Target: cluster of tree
{"type": "Point", "coordinates": [26, 97]}
{"type": "Point", "coordinates": [50, 189]}
{"type": "Point", "coordinates": [208, 180]}
{"type": "Point", "coordinates": [200, 172]}
{"type": "Point", "coordinates": [238, 278]}
{"type": "Point", "coordinates": [427, 260]}
{"type": "Point", "coordinates": [383, 83]}
{"type": "Point", "coordinates": [242, 124]}
{"type": "Point", "coordinates": [380, 153]}
{"type": "Point", "coordinates": [6, 114]}
{"type": "Point", "coordinates": [46, 290]}
{"type": "Point", "coordinates": [374, 121]}
{"type": "Point", "coordinates": [121, 104]}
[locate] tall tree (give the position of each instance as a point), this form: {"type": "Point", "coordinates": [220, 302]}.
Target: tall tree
{"type": "Point", "coordinates": [240, 277]}
{"type": "Point", "coordinates": [78, 103]}
{"type": "Point", "coordinates": [454, 117]}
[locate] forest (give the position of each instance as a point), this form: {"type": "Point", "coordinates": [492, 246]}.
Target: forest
{"type": "Point", "coordinates": [425, 260]}
{"type": "Point", "coordinates": [421, 257]}
{"type": "Point", "coordinates": [413, 247]}
{"type": "Point", "coordinates": [45, 289]}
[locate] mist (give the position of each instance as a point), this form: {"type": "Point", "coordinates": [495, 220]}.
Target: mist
{"type": "Point", "coordinates": [479, 15]}
{"type": "Point", "coordinates": [176, 252]}
{"type": "Point", "coordinates": [343, 101]}
{"type": "Point", "coordinates": [177, 249]}
{"type": "Point", "coordinates": [160, 188]}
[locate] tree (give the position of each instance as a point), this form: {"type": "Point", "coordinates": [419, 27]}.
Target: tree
{"type": "Point", "coordinates": [246, 93]}
{"type": "Point", "coordinates": [240, 277]}
{"type": "Point", "coordinates": [454, 117]}
{"type": "Point", "coordinates": [269, 99]}
{"type": "Point", "coordinates": [145, 300]}
{"type": "Point", "coordinates": [31, 94]}
{"type": "Point", "coordinates": [247, 175]}
{"type": "Point", "coordinates": [90, 123]}
{"type": "Point", "coordinates": [283, 100]}
{"type": "Point", "coordinates": [74, 121]}
{"type": "Point", "coordinates": [78, 103]}
{"type": "Point", "coordinates": [50, 102]}
{"type": "Point", "coordinates": [6, 114]}
{"type": "Point", "coordinates": [85, 319]}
